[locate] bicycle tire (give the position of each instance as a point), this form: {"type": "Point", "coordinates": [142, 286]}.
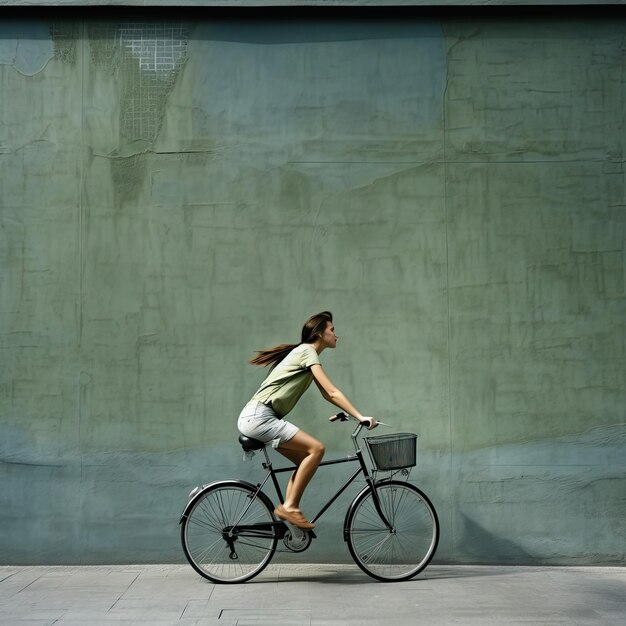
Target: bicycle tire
{"type": "Point", "coordinates": [403, 552]}
{"type": "Point", "coordinates": [204, 532]}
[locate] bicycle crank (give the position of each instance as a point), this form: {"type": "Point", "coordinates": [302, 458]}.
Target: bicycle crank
{"type": "Point", "coordinates": [296, 539]}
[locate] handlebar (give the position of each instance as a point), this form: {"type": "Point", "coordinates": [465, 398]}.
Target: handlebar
{"type": "Point", "coordinates": [341, 416]}
{"type": "Point", "coordinates": [345, 417]}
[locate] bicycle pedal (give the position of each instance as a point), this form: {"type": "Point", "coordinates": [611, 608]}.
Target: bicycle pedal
{"type": "Point", "coordinates": [299, 532]}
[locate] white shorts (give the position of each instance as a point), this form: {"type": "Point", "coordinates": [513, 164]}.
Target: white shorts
{"type": "Point", "coordinates": [258, 421]}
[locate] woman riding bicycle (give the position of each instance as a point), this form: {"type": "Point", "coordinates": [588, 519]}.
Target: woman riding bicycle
{"type": "Point", "coordinates": [294, 367]}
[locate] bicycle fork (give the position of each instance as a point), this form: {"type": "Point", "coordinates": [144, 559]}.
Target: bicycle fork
{"type": "Point", "coordinates": [379, 509]}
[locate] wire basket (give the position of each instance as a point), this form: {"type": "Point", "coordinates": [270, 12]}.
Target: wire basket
{"type": "Point", "coordinates": [391, 452]}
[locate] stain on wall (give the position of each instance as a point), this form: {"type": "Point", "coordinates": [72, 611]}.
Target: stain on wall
{"type": "Point", "coordinates": [127, 175]}
{"type": "Point", "coordinates": [25, 45]}
{"type": "Point", "coordinates": [64, 38]}
{"type": "Point", "coordinates": [176, 195]}
{"type": "Point", "coordinates": [146, 57]}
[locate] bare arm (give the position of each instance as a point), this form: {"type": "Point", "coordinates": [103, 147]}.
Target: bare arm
{"type": "Point", "coordinates": [334, 395]}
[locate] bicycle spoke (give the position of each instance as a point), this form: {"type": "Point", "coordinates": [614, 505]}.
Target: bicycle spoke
{"type": "Point", "coordinates": [203, 555]}
{"type": "Point", "coordinates": [197, 521]}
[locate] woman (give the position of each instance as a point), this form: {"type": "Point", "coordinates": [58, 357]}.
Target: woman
{"type": "Point", "coordinates": [294, 366]}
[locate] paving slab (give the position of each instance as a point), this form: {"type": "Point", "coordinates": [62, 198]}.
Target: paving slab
{"type": "Point", "coordinates": [313, 595]}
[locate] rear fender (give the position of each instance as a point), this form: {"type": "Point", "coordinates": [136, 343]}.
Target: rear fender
{"type": "Point", "coordinates": [198, 492]}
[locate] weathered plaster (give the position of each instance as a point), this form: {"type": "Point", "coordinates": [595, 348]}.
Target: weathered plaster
{"type": "Point", "coordinates": [452, 190]}
{"type": "Point", "coordinates": [25, 45]}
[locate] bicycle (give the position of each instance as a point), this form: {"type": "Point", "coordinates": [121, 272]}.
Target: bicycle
{"type": "Point", "coordinates": [229, 532]}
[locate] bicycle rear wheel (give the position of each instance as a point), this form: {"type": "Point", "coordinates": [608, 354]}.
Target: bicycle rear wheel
{"type": "Point", "coordinates": [405, 550]}
{"type": "Point", "coordinates": [214, 546]}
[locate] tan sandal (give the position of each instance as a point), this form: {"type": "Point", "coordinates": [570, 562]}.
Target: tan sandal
{"type": "Point", "coordinates": [293, 517]}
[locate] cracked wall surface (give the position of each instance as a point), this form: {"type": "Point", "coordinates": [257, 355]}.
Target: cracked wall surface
{"type": "Point", "coordinates": [178, 194]}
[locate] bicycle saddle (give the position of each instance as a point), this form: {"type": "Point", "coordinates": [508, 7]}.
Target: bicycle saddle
{"type": "Point", "coordinates": [247, 443]}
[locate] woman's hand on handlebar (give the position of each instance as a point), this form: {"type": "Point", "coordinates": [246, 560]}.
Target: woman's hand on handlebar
{"type": "Point", "coordinates": [369, 422]}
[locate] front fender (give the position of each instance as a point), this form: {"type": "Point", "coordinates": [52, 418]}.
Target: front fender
{"type": "Point", "coordinates": [198, 492]}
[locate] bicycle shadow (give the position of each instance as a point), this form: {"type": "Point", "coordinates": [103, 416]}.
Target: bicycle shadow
{"type": "Point", "coordinates": [352, 575]}
{"type": "Point", "coordinates": [313, 573]}
{"type": "Point", "coordinates": [441, 572]}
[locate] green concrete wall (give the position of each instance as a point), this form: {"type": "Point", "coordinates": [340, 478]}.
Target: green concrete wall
{"type": "Point", "coordinates": [176, 195]}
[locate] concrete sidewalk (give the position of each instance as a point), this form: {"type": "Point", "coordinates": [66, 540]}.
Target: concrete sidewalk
{"type": "Point", "coordinates": [315, 595]}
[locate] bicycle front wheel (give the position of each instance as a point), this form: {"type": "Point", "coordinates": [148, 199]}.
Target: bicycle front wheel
{"type": "Point", "coordinates": [404, 550]}
{"type": "Point", "coordinates": [227, 533]}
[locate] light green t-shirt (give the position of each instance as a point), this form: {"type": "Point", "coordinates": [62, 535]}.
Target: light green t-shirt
{"type": "Point", "coordinates": [288, 380]}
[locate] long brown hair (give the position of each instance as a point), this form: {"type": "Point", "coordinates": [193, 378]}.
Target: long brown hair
{"type": "Point", "coordinates": [311, 330]}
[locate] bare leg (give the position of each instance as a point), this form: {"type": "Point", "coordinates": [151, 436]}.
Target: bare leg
{"type": "Point", "coordinates": [309, 451]}
{"type": "Point", "coordinates": [296, 458]}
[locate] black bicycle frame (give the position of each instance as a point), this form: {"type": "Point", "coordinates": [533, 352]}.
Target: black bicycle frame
{"type": "Point", "coordinates": [358, 456]}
